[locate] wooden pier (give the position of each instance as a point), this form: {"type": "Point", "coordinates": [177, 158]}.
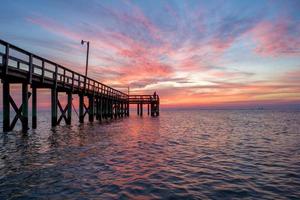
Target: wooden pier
{"type": "Point", "coordinates": [152, 102]}
{"type": "Point", "coordinates": [19, 66]}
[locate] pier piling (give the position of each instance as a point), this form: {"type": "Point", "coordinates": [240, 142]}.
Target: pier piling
{"type": "Point", "coordinates": [6, 106]}
{"type": "Point", "coordinates": [34, 108]}
{"type": "Point", "coordinates": [24, 118]}
{"type": "Point", "coordinates": [69, 105]}
{"type": "Point", "coordinates": [91, 108]}
{"type": "Point", "coordinates": [81, 102]}
{"type": "Point", "coordinates": [53, 107]}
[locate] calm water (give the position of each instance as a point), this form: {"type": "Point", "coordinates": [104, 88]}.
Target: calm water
{"type": "Point", "coordinates": [180, 155]}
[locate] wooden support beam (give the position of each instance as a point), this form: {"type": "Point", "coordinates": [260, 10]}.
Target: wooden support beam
{"type": "Point", "coordinates": [6, 106]}
{"type": "Point", "coordinates": [152, 109]}
{"type": "Point", "coordinates": [53, 107]}
{"type": "Point", "coordinates": [114, 110]}
{"type": "Point", "coordinates": [18, 111]}
{"type": "Point", "coordinates": [97, 107]}
{"type": "Point", "coordinates": [118, 109]}
{"type": "Point", "coordinates": [104, 107]}
{"type": "Point", "coordinates": [34, 108]}
{"type": "Point", "coordinates": [107, 108]}
{"type": "Point", "coordinates": [91, 108]}
{"type": "Point", "coordinates": [128, 106]}
{"type": "Point", "coordinates": [138, 109]}
{"type": "Point", "coordinates": [141, 105]}
{"type": "Point", "coordinates": [121, 109]}
{"type": "Point", "coordinates": [24, 107]}
{"type": "Point", "coordinates": [86, 110]}
{"type": "Point", "coordinates": [111, 108]}
{"type": "Point", "coordinates": [69, 105]}
{"type": "Point", "coordinates": [157, 108]}
{"type": "Point", "coordinates": [63, 112]}
{"type": "Point", "coordinates": [148, 108]}
{"type": "Point", "coordinates": [125, 108]}
{"type": "Point", "coordinates": [81, 102]}
{"type": "Point", "coordinates": [100, 108]}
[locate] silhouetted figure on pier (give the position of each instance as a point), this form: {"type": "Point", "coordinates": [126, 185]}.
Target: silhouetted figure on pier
{"type": "Point", "coordinates": [154, 95]}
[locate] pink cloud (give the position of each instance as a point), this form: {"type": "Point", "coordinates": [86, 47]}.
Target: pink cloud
{"type": "Point", "coordinates": [219, 45]}
{"type": "Point", "coordinates": [140, 60]}
{"type": "Point", "coordinates": [275, 38]}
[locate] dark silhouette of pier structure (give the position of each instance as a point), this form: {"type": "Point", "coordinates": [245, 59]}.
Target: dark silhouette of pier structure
{"type": "Point", "coordinates": [19, 66]}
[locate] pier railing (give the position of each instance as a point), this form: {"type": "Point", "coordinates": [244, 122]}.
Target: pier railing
{"type": "Point", "coordinates": [25, 66]}
{"type": "Point", "coordinates": [145, 99]}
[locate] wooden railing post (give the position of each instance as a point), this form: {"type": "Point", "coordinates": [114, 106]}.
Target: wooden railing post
{"type": "Point", "coordinates": [43, 71]}
{"type": "Point", "coordinates": [72, 81]}
{"type": "Point", "coordinates": [64, 77]}
{"type": "Point", "coordinates": [5, 61]}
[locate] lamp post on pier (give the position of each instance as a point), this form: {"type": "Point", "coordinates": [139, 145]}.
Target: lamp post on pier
{"type": "Point", "coordinates": [87, 59]}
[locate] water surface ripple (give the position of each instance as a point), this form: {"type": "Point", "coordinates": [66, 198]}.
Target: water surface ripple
{"type": "Point", "coordinates": [180, 155]}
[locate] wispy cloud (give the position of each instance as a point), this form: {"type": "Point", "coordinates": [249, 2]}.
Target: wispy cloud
{"type": "Point", "coordinates": [180, 48]}
{"type": "Point", "coordinates": [277, 38]}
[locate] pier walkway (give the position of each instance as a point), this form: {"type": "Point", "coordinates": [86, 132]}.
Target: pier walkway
{"type": "Point", "coordinates": [19, 66]}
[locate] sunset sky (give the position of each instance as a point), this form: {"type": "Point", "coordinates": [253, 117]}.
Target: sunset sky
{"type": "Point", "coordinates": [193, 53]}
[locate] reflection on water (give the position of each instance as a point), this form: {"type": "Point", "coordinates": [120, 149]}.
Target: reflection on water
{"type": "Point", "coordinates": [180, 155]}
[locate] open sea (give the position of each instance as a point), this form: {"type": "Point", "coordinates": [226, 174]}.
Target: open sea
{"type": "Point", "coordinates": [192, 154]}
